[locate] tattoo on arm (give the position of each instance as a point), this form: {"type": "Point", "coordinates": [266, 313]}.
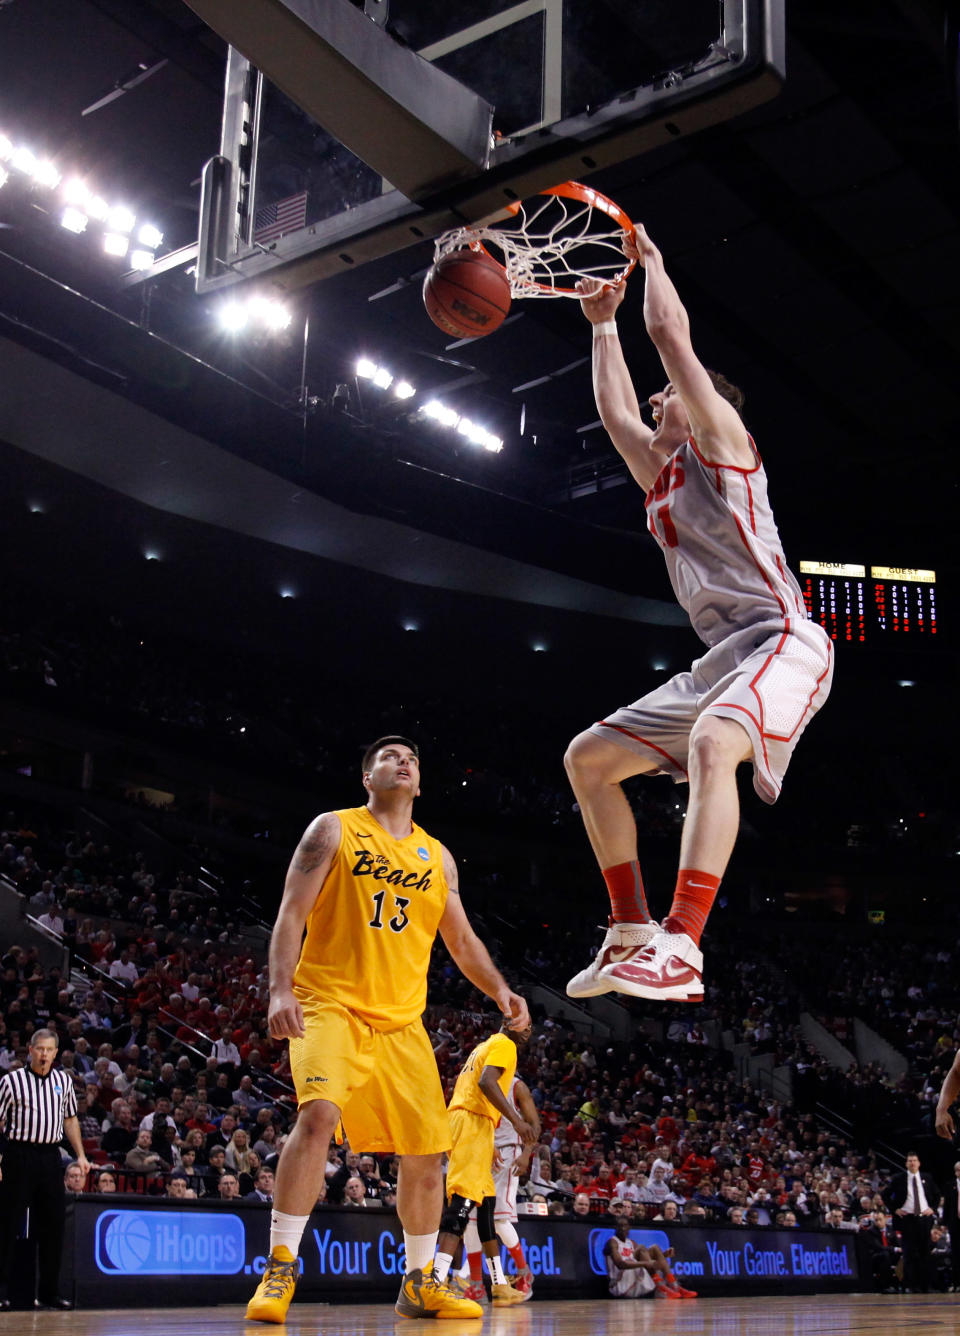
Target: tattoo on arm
{"type": "Point", "coordinates": [316, 845]}
{"type": "Point", "coordinates": [450, 871]}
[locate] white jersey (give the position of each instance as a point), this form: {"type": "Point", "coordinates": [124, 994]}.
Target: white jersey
{"type": "Point", "coordinates": [721, 545]}
{"type": "Point", "coordinates": [631, 1282]}
{"type": "Point", "coordinates": [505, 1133]}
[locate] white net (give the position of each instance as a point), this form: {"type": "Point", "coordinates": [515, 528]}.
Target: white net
{"type": "Point", "coordinates": [549, 245]}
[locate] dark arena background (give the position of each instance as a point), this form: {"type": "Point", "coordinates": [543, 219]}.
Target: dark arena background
{"type": "Point", "coordinates": [259, 511]}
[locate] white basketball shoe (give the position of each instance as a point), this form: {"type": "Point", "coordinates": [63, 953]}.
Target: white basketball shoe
{"type": "Point", "coordinates": [668, 969]}
{"type": "Point", "coordinates": [622, 942]}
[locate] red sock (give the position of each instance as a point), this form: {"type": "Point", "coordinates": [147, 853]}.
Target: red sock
{"type": "Point", "coordinates": [692, 901]}
{"type": "Point", "coordinates": [628, 904]}
{"type": "Point", "coordinates": [516, 1252]}
{"type": "Point", "coordinates": [475, 1261]}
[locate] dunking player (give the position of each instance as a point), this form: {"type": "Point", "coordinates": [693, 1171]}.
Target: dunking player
{"type": "Point", "coordinates": [372, 889]}
{"type": "Point", "coordinates": [767, 669]}
{"type": "Point", "coordinates": [477, 1103]}
{"type": "Point", "coordinates": [511, 1158]}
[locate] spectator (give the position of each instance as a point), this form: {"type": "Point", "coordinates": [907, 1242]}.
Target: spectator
{"type": "Point", "coordinates": [238, 1151]}
{"type": "Point", "coordinates": [105, 1181]}
{"type": "Point", "coordinates": [354, 1193]}
{"type": "Point", "coordinates": [225, 1052]}
{"type": "Point", "coordinates": [120, 1134]}
{"type": "Point", "coordinates": [216, 1167]}
{"type": "Point", "coordinates": [124, 970]}
{"type": "Point", "coordinates": [581, 1205]}
{"type": "Point", "coordinates": [229, 1185]}
{"type": "Point", "coordinates": [262, 1186]}
{"type": "Point", "coordinates": [142, 1159]}
{"type": "Point", "coordinates": [74, 1179]}
{"type": "Point", "coordinates": [177, 1185]}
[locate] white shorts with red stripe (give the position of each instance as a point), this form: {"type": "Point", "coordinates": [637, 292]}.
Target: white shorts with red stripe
{"type": "Point", "coordinates": [772, 679]}
{"type": "Point", "coordinates": [506, 1183]}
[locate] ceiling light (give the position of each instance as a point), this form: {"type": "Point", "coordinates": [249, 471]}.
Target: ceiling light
{"type": "Point", "coordinates": [404, 390]}
{"type": "Point", "coordinates": [539, 647]}
{"type": "Point", "coordinates": [97, 208]}
{"type": "Point", "coordinates": [4, 177]}
{"type": "Point", "coordinates": [74, 220]}
{"type": "Point", "coordinates": [410, 625]}
{"type": "Point", "coordinates": [492, 443]}
{"type": "Point", "coordinates": [121, 219]}
{"type": "Point", "coordinates": [275, 315]}
{"type": "Point", "coordinates": [6, 147]}
{"type": "Point", "coordinates": [382, 378]}
{"type": "Point", "coordinates": [150, 236]}
{"type": "Point", "coordinates": [45, 174]}
{"type": "Point", "coordinates": [24, 161]}
{"type": "Point", "coordinates": [151, 554]}
{"type": "Point", "coordinates": [76, 192]}
{"type": "Point", "coordinates": [115, 244]}
{"type": "Point", "coordinates": [36, 508]}
{"type": "Point", "coordinates": [288, 593]}
{"type": "Point", "coordinates": [141, 259]}
{"type": "Point", "coordinates": [233, 317]}
{"type": "Point", "coordinates": [366, 368]}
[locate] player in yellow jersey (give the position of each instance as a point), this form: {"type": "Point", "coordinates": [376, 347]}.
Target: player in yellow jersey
{"type": "Point", "coordinates": [372, 889]}
{"type": "Point", "coordinates": [478, 1102]}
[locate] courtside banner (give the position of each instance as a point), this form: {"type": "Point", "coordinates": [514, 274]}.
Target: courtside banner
{"type": "Point", "coordinates": [125, 1251]}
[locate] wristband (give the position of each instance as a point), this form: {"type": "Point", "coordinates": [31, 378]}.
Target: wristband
{"type": "Point", "coordinates": [604, 327]}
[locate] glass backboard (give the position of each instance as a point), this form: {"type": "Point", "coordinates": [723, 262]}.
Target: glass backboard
{"type": "Point", "coordinates": [514, 97]}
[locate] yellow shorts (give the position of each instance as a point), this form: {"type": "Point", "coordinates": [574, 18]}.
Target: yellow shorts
{"type": "Point", "coordinates": [385, 1083]}
{"type": "Point", "coordinates": [470, 1171]}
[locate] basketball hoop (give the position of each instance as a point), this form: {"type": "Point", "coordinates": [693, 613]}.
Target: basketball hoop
{"type": "Point", "coordinates": [563, 235]}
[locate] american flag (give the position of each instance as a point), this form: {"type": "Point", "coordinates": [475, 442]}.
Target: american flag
{"type": "Point", "coordinates": [286, 215]}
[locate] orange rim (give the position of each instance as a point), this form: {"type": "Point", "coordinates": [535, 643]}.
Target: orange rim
{"type": "Point", "coordinates": [584, 195]}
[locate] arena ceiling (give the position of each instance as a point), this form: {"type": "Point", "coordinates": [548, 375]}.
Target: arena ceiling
{"type": "Point", "coordinates": [815, 242]}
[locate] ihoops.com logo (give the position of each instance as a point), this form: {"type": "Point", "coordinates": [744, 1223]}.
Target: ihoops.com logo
{"type": "Point", "coordinates": [169, 1243]}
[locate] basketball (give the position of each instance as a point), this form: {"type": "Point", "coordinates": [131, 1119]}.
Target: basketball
{"type": "Point", "coordinates": [467, 294]}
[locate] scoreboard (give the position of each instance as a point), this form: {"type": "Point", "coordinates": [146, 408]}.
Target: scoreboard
{"type": "Point", "coordinates": [876, 604]}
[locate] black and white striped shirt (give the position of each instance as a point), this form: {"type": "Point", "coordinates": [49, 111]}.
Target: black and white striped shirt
{"type": "Point", "coordinates": [32, 1107]}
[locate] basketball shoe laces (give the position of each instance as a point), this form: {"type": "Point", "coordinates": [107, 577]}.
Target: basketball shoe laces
{"type": "Point", "coordinates": [279, 1276]}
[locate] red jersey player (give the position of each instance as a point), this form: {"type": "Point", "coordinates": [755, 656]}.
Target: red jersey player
{"type": "Point", "coordinates": [766, 671]}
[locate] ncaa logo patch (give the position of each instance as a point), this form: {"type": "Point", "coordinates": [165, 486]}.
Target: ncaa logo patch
{"type": "Point", "coordinates": [423, 854]}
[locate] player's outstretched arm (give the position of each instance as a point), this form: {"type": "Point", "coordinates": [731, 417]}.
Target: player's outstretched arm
{"type": "Point", "coordinates": [617, 401]}
{"type": "Point", "coordinates": [470, 955]}
{"type": "Point", "coordinates": [305, 876]}
{"type": "Point", "coordinates": [719, 432]}
{"type": "Point", "coordinates": [949, 1092]}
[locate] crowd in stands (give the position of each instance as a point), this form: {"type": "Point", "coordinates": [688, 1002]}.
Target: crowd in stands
{"type": "Point", "coordinates": [182, 1091]}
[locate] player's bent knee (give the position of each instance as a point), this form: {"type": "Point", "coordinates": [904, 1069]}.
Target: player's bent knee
{"type": "Point", "coordinates": [591, 758]}
{"type": "Point", "coordinates": [718, 744]}
{"type": "Point", "coordinates": [456, 1214]}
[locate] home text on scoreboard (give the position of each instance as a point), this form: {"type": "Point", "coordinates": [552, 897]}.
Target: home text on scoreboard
{"type": "Point", "coordinates": [860, 605]}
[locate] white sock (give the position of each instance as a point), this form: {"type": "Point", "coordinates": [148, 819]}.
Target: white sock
{"type": "Point", "coordinates": [496, 1269]}
{"type": "Point", "coordinates": [507, 1234]}
{"type": "Point", "coordinates": [286, 1231]}
{"type": "Point", "coordinates": [419, 1249]}
{"type": "Point", "coordinates": [441, 1266]}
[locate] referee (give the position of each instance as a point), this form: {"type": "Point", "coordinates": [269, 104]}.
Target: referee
{"type": "Point", "coordinates": [37, 1107]}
